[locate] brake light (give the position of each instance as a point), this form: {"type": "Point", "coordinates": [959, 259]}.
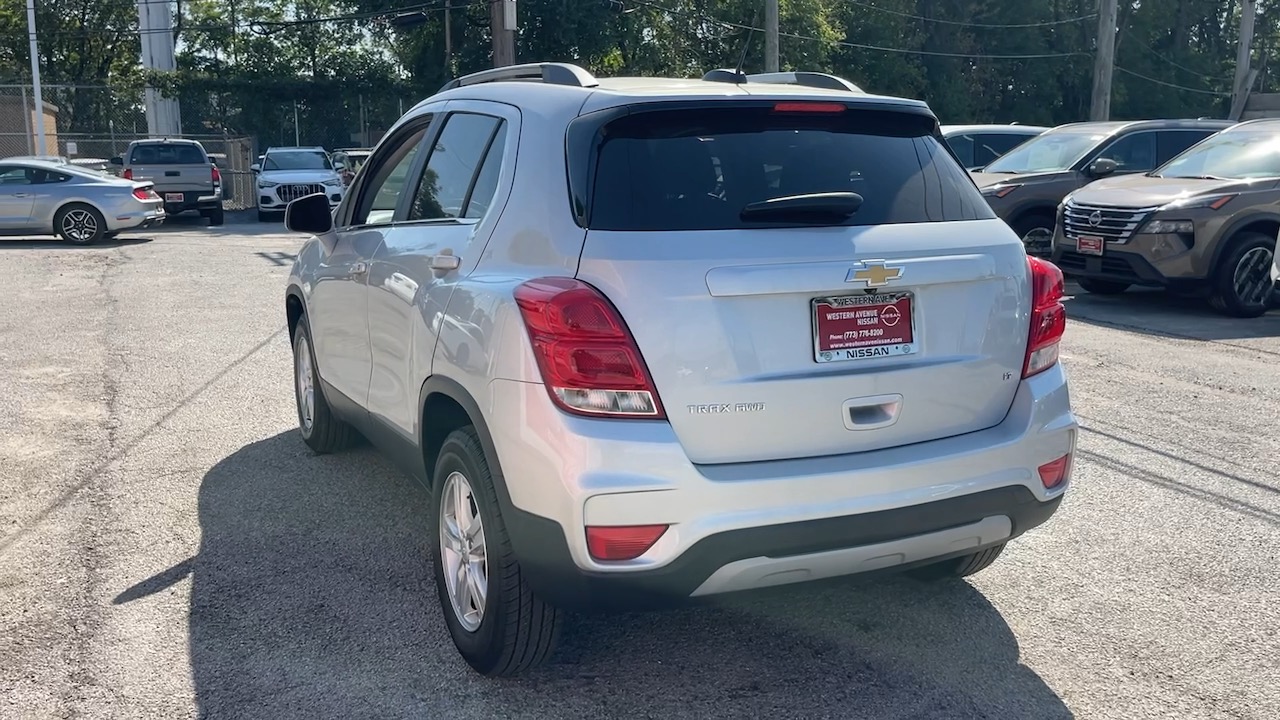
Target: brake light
{"type": "Point", "coordinates": [145, 193]}
{"type": "Point", "coordinates": [1053, 473]}
{"type": "Point", "coordinates": [1048, 317]}
{"type": "Point", "coordinates": [809, 107]}
{"type": "Point", "coordinates": [217, 176]}
{"type": "Point", "coordinates": [587, 356]}
{"type": "Point", "coordinates": [128, 173]}
{"type": "Point", "coordinates": [626, 542]}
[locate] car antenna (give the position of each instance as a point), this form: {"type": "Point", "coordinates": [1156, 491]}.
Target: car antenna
{"type": "Point", "coordinates": [746, 45]}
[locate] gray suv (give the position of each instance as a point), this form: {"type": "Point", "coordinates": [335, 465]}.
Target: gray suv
{"type": "Point", "coordinates": [1204, 223]}
{"type": "Point", "coordinates": [650, 339]}
{"type": "Point", "coordinates": [1026, 185]}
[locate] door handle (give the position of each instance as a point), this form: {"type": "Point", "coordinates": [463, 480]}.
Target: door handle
{"type": "Point", "coordinates": [22, 194]}
{"type": "Point", "coordinates": [870, 413]}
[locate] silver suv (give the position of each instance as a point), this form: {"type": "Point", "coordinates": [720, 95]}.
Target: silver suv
{"type": "Point", "coordinates": [650, 339]}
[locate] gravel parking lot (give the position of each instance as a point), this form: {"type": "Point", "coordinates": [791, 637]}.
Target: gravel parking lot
{"type": "Point", "coordinates": [170, 548]}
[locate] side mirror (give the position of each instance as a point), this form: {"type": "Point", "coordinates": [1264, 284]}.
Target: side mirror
{"type": "Point", "coordinates": [309, 214]}
{"type": "Point", "coordinates": [255, 167]}
{"type": "Point", "coordinates": [117, 160]}
{"type": "Point", "coordinates": [1102, 167]}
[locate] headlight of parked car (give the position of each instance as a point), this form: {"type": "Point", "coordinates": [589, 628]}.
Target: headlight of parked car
{"type": "Point", "coordinates": [333, 182]}
{"type": "Point", "coordinates": [1168, 227]}
{"type": "Point", "coordinates": [267, 183]}
{"type": "Point", "coordinates": [1212, 202]}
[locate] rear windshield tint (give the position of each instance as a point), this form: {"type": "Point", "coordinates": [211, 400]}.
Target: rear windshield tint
{"type": "Point", "coordinates": [695, 169]}
{"type": "Point", "coordinates": [167, 155]}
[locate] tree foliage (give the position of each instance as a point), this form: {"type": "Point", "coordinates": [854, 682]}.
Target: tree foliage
{"type": "Point", "coordinates": [244, 65]}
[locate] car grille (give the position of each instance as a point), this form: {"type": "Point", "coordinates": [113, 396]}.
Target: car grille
{"type": "Point", "coordinates": [289, 193]}
{"type": "Point", "coordinates": [1114, 224]}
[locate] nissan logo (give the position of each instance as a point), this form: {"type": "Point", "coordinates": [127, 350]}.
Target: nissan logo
{"type": "Point", "coordinates": [1096, 218]}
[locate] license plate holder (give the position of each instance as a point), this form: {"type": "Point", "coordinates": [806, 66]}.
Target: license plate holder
{"type": "Point", "coordinates": [1090, 245]}
{"type": "Point", "coordinates": [175, 197]}
{"type": "Point", "coordinates": [860, 327]}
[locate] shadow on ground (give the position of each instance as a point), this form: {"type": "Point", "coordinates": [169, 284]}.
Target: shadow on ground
{"type": "Point", "coordinates": [311, 596]}
{"type": "Point", "coordinates": [53, 243]}
{"type": "Point", "coordinates": [1155, 312]}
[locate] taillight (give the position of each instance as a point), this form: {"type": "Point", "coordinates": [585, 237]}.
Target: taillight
{"type": "Point", "coordinates": [145, 194]}
{"type": "Point", "coordinates": [1048, 317]}
{"type": "Point", "coordinates": [626, 542]}
{"type": "Point", "coordinates": [587, 357]}
{"type": "Point", "coordinates": [1053, 473]}
{"type": "Point", "coordinates": [217, 176]}
{"type": "Point", "coordinates": [128, 173]}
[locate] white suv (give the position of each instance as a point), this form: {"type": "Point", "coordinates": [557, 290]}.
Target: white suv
{"type": "Point", "coordinates": [703, 336]}
{"type": "Point", "coordinates": [288, 173]}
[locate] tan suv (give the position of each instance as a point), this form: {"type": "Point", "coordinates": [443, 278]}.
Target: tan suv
{"type": "Point", "coordinates": [1025, 186]}
{"type": "Point", "coordinates": [1205, 222]}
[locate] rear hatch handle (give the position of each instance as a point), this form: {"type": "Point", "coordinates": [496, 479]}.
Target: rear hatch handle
{"type": "Point", "coordinates": [871, 413]}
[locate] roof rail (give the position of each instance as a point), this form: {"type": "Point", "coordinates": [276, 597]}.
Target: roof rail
{"type": "Point", "coordinates": [807, 79]}
{"type": "Point", "coordinates": [549, 72]}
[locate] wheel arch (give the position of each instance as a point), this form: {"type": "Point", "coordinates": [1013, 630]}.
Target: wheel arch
{"type": "Point", "coordinates": [1264, 223]}
{"type": "Point", "coordinates": [444, 405]}
{"type": "Point", "coordinates": [294, 309]}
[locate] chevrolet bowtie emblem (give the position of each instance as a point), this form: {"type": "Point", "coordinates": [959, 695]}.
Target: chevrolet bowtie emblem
{"type": "Point", "coordinates": [874, 274]}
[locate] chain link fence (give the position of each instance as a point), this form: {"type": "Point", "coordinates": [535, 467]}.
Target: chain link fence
{"type": "Point", "coordinates": [90, 124]}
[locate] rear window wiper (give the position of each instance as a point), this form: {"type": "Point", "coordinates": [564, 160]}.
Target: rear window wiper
{"type": "Point", "coordinates": [817, 207]}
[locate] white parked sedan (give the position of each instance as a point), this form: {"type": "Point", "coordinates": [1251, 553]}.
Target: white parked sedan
{"type": "Point", "coordinates": [38, 197]}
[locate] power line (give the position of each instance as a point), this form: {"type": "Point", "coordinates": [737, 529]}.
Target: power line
{"type": "Point", "coordinates": [961, 23]}
{"type": "Point", "coordinates": [859, 46]}
{"type": "Point", "coordinates": [1154, 52]}
{"type": "Point", "coordinates": [1172, 85]}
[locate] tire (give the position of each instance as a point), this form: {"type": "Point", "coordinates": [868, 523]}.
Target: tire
{"type": "Point", "coordinates": [216, 216]}
{"type": "Point", "coordinates": [1040, 227]}
{"type": "Point", "coordinates": [1103, 287]}
{"type": "Point", "coordinates": [324, 432]}
{"type": "Point", "coordinates": [1241, 283]}
{"type": "Point", "coordinates": [513, 630]}
{"type": "Point", "coordinates": [80, 224]}
{"type": "Point", "coordinates": [962, 566]}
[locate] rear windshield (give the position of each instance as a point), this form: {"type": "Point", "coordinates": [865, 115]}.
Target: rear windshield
{"type": "Point", "coordinates": [696, 169]}
{"type": "Point", "coordinates": [167, 155]}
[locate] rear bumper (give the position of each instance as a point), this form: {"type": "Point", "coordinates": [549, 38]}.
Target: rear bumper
{"type": "Point", "coordinates": [139, 219]}
{"type": "Point", "coordinates": [190, 201]}
{"type": "Point", "coordinates": [742, 526]}
{"type": "Point", "coordinates": [764, 556]}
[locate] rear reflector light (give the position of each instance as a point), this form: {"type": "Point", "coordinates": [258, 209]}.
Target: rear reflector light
{"type": "Point", "coordinates": [1053, 473]}
{"type": "Point", "coordinates": [808, 107]}
{"type": "Point", "coordinates": [128, 173]}
{"type": "Point", "coordinates": [587, 357]}
{"type": "Point", "coordinates": [145, 194]}
{"type": "Point", "coordinates": [1048, 317]}
{"type": "Point", "coordinates": [626, 542]}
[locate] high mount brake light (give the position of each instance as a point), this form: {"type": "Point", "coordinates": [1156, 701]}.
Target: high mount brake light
{"type": "Point", "coordinates": [808, 107]}
{"type": "Point", "coordinates": [588, 359]}
{"type": "Point", "coordinates": [1048, 317]}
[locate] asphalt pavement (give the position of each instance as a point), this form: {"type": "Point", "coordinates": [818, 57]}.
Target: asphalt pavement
{"type": "Point", "coordinates": [170, 548]}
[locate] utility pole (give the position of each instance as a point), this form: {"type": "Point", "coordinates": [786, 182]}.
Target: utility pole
{"type": "Point", "coordinates": [35, 79]}
{"type": "Point", "coordinates": [448, 41]}
{"type": "Point", "coordinates": [771, 35]}
{"type": "Point", "coordinates": [502, 26]}
{"type": "Point", "coordinates": [1244, 46]}
{"type": "Point", "coordinates": [1104, 62]}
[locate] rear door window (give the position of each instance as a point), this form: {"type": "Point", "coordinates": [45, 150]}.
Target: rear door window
{"type": "Point", "coordinates": [696, 169]}
{"type": "Point", "coordinates": [167, 155]}
{"type": "Point", "coordinates": [962, 145]}
{"type": "Point", "coordinates": [1171, 143]}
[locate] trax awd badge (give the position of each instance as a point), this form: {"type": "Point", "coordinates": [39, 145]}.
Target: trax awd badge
{"type": "Point", "coordinates": [873, 273]}
{"type": "Point", "coordinates": [725, 408]}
